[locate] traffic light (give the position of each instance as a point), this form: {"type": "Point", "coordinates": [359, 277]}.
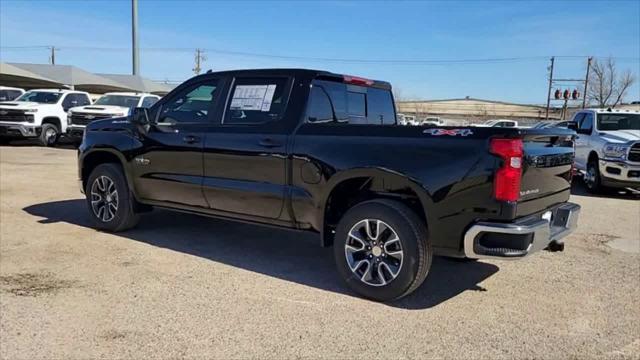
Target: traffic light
{"type": "Point", "coordinates": [575, 94]}
{"type": "Point", "coordinates": [565, 94]}
{"type": "Point", "coordinates": [556, 94]}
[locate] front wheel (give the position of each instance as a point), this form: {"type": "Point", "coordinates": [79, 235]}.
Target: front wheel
{"type": "Point", "coordinates": [381, 250]}
{"type": "Point", "coordinates": [592, 177]}
{"type": "Point", "coordinates": [110, 203]}
{"type": "Point", "coordinates": [49, 134]}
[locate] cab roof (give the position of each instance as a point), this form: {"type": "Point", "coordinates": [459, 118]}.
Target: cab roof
{"type": "Point", "coordinates": [297, 72]}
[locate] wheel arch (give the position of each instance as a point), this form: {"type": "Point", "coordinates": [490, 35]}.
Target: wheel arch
{"type": "Point", "coordinates": [91, 159]}
{"type": "Point", "coordinates": [54, 120]}
{"type": "Point", "coordinates": [359, 185]}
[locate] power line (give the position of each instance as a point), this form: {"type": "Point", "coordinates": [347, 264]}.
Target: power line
{"type": "Point", "coordinates": [496, 60]}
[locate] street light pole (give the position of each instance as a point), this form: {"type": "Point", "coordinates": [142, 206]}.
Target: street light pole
{"type": "Point", "coordinates": [134, 36]}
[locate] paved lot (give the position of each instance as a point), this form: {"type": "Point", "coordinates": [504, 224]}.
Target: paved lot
{"type": "Point", "coordinates": [186, 286]}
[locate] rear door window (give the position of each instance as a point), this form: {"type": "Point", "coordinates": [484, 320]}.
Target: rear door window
{"type": "Point", "coordinates": [257, 100]}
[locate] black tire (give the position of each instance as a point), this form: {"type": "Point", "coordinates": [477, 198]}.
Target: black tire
{"type": "Point", "coordinates": [415, 246]}
{"type": "Point", "coordinates": [5, 140]}
{"type": "Point", "coordinates": [125, 216]}
{"type": "Point", "coordinates": [592, 179]}
{"type": "Point", "coordinates": [49, 134]}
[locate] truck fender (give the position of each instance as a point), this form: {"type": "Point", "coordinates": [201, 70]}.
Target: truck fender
{"type": "Point", "coordinates": [113, 153]}
{"type": "Point", "coordinates": [394, 179]}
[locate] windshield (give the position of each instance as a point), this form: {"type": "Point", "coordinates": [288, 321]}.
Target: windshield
{"type": "Point", "coordinates": [118, 100]}
{"type": "Point", "coordinates": [612, 122]}
{"type": "Point", "coordinates": [42, 97]}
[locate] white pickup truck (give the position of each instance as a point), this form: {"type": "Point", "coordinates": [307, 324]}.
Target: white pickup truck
{"type": "Point", "coordinates": [10, 93]}
{"type": "Point", "coordinates": [498, 123]}
{"type": "Point", "coordinates": [39, 114]}
{"type": "Point", "coordinates": [608, 148]}
{"type": "Point", "coordinates": [109, 105]}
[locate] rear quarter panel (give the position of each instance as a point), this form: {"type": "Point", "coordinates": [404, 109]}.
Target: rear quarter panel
{"type": "Point", "coordinates": [452, 175]}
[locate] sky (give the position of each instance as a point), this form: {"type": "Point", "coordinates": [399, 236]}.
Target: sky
{"type": "Point", "coordinates": [422, 48]}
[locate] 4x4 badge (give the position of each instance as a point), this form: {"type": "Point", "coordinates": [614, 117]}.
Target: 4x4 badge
{"type": "Point", "coordinates": [140, 160]}
{"type": "Point", "coordinates": [449, 132]}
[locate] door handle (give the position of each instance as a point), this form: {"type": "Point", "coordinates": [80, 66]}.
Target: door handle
{"type": "Point", "coordinates": [269, 143]}
{"type": "Point", "coordinates": [190, 139]}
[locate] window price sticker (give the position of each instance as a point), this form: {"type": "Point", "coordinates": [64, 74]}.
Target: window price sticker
{"type": "Point", "coordinates": [253, 97]}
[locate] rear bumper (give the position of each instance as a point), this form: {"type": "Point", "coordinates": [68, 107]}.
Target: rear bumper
{"type": "Point", "coordinates": [19, 129]}
{"type": "Point", "coordinates": [619, 174]}
{"type": "Point", "coordinates": [523, 237]}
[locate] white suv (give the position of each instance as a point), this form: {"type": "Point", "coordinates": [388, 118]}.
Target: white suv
{"type": "Point", "coordinates": [39, 113]}
{"type": "Point", "coordinates": [608, 148]}
{"type": "Point", "coordinates": [109, 105]}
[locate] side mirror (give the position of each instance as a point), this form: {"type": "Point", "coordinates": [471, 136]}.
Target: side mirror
{"type": "Point", "coordinates": [572, 125]}
{"type": "Point", "coordinates": [140, 116]}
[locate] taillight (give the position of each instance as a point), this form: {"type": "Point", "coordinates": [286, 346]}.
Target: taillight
{"type": "Point", "coordinates": [356, 80]}
{"type": "Point", "coordinates": [506, 184]}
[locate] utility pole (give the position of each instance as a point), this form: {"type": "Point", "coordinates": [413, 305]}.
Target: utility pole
{"type": "Point", "coordinates": [199, 58]}
{"type": "Point", "coordinates": [52, 57]}
{"type": "Point", "coordinates": [134, 36]}
{"type": "Point", "coordinates": [586, 82]}
{"type": "Point", "coordinates": [549, 90]}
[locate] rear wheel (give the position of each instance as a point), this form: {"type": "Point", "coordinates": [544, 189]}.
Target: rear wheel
{"type": "Point", "coordinates": [49, 134]}
{"type": "Point", "coordinates": [381, 250]}
{"type": "Point", "coordinates": [592, 177]}
{"type": "Point", "coordinates": [110, 203]}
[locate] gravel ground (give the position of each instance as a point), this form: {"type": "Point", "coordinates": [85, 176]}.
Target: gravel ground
{"type": "Point", "coordinates": [186, 286]}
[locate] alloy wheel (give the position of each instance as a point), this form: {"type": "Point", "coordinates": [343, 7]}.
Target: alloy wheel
{"type": "Point", "coordinates": [374, 252]}
{"type": "Point", "coordinates": [104, 198]}
{"type": "Point", "coordinates": [590, 176]}
{"type": "Point", "coordinates": [50, 135]}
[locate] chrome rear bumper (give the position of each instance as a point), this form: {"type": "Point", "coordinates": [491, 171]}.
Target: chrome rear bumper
{"type": "Point", "coordinates": [523, 237]}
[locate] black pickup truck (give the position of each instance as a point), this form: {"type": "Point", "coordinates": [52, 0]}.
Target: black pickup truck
{"type": "Point", "coordinates": [317, 151]}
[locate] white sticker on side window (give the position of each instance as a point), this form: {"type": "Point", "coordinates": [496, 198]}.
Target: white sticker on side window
{"type": "Point", "coordinates": [253, 97]}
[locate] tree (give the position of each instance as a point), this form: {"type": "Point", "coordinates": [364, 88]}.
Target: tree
{"type": "Point", "coordinates": [607, 88]}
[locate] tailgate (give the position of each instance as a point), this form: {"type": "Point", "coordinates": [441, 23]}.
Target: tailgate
{"type": "Point", "coordinates": [546, 170]}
